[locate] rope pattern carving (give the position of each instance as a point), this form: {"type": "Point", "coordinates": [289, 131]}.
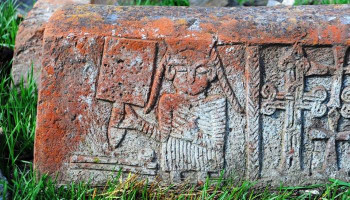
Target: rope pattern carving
{"type": "Point", "coordinates": [252, 109]}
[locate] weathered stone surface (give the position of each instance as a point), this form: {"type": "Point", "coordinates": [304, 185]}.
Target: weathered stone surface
{"type": "Point", "coordinates": [280, 2]}
{"type": "Point", "coordinates": [105, 2]}
{"type": "Point", "coordinates": [113, 2]}
{"type": "Point", "coordinates": [29, 40]}
{"type": "Point", "coordinates": [262, 93]}
{"type": "Point", "coordinates": [24, 6]}
{"type": "Point", "coordinates": [28, 47]}
{"type": "Point", "coordinates": [210, 3]}
{"type": "Point", "coordinates": [3, 181]}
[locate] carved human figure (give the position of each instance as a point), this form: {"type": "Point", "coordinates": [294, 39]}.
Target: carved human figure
{"type": "Point", "coordinates": [191, 125]}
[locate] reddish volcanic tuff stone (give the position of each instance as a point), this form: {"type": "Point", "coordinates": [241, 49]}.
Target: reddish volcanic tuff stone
{"type": "Point", "coordinates": [29, 39]}
{"type": "Point", "coordinates": [262, 93]}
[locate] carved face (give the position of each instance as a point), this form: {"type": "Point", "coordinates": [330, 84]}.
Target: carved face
{"type": "Point", "coordinates": [190, 77]}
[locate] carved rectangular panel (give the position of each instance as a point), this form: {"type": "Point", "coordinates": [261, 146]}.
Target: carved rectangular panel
{"type": "Point", "coordinates": [187, 98]}
{"type": "Point", "coordinates": [126, 71]}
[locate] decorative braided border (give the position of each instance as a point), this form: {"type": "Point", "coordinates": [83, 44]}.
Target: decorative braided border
{"type": "Point", "coordinates": [252, 112]}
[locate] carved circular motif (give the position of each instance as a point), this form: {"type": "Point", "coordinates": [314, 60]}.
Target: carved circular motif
{"type": "Point", "coordinates": [345, 111]}
{"type": "Point", "coordinates": [268, 91]}
{"type": "Point", "coordinates": [267, 108]}
{"type": "Point", "coordinates": [320, 93]}
{"type": "Point", "coordinates": [345, 96]}
{"type": "Point", "coordinates": [318, 109]}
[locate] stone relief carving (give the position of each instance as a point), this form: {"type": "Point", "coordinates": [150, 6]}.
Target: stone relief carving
{"type": "Point", "coordinates": [191, 125]}
{"type": "Point", "coordinates": [338, 106]}
{"type": "Point", "coordinates": [253, 135]}
{"type": "Point", "coordinates": [296, 67]}
{"type": "Point", "coordinates": [188, 125]}
{"type": "Point", "coordinates": [330, 137]}
{"type": "Point", "coordinates": [293, 100]}
{"type": "Point", "coordinates": [345, 97]}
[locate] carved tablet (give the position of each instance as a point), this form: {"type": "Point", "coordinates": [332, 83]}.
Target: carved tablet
{"type": "Point", "coordinates": [186, 93]}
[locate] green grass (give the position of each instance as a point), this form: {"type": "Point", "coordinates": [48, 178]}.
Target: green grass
{"type": "Point", "coordinates": [25, 185]}
{"type": "Point", "coordinates": [17, 118]}
{"type": "Point", "coordinates": [242, 2]}
{"type": "Point", "coordinates": [17, 105]}
{"type": "Point", "coordinates": [8, 23]}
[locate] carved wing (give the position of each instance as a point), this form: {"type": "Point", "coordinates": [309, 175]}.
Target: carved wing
{"type": "Point", "coordinates": [212, 121]}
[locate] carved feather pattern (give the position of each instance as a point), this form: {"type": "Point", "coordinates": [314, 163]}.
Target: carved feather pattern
{"type": "Point", "coordinates": [196, 141]}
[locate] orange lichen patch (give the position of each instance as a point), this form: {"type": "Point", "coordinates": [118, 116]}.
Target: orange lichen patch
{"type": "Point", "coordinates": [50, 70]}
{"type": "Point", "coordinates": [181, 21]}
{"type": "Point", "coordinates": [333, 33]}
{"type": "Point", "coordinates": [281, 27]}
{"type": "Point", "coordinates": [314, 35]}
{"type": "Point", "coordinates": [106, 70]}
{"type": "Point", "coordinates": [58, 121]}
{"type": "Point", "coordinates": [126, 60]}
{"type": "Point", "coordinates": [165, 26]}
{"type": "Point", "coordinates": [118, 9]}
{"type": "Point", "coordinates": [93, 16]}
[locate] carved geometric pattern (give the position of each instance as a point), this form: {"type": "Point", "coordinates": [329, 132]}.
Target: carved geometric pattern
{"type": "Point", "coordinates": [313, 100]}
{"type": "Point", "coordinates": [190, 130]}
{"type": "Point", "coordinates": [252, 112]}
{"type": "Point", "coordinates": [331, 138]}
{"type": "Point", "coordinates": [258, 98]}
{"type": "Point", "coordinates": [296, 67]}
{"type": "Point", "coordinates": [338, 105]}
{"type": "Point", "coordinates": [345, 97]}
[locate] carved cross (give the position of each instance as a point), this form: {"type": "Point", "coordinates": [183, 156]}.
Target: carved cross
{"type": "Point", "coordinates": [296, 66]}
{"type": "Point", "coordinates": [313, 101]}
{"type": "Point", "coordinates": [293, 104]}
{"type": "Point", "coordinates": [331, 136]}
{"type": "Point", "coordinates": [293, 100]}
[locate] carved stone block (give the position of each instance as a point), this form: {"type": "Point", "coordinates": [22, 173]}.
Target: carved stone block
{"type": "Point", "coordinates": [29, 39]}
{"type": "Point", "coordinates": [186, 93]}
